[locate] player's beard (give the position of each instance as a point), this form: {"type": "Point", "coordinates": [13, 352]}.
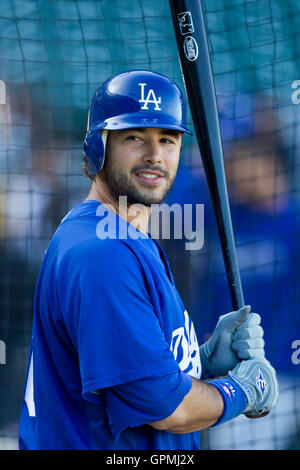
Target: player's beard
{"type": "Point", "coordinates": [122, 184]}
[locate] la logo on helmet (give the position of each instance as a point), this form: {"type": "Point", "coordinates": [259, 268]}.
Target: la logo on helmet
{"type": "Point", "coordinates": [151, 98]}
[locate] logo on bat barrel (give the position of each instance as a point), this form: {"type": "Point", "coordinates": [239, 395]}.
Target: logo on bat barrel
{"type": "Point", "coordinates": [190, 47]}
{"type": "Point", "coordinates": [186, 23]}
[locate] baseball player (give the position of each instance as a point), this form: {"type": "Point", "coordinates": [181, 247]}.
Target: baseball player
{"type": "Point", "coordinates": [114, 360]}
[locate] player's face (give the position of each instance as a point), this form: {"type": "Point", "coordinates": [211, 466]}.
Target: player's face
{"type": "Point", "coordinates": [141, 163]}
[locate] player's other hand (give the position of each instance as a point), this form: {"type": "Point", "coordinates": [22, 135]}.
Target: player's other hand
{"type": "Point", "coordinates": [257, 379]}
{"type": "Point", "coordinates": [237, 336]}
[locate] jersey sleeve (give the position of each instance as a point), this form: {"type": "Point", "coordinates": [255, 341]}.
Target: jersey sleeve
{"type": "Point", "coordinates": [145, 400]}
{"type": "Point", "coordinates": [115, 330]}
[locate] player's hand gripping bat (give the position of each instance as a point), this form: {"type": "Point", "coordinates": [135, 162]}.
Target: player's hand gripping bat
{"type": "Point", "coordinates": [191, 37]}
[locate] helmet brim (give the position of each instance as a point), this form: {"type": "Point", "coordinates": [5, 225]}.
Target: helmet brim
{"type": "Point", "coordinates": [137, 120]}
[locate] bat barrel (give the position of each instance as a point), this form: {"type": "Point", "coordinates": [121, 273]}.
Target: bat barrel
{"type": "Point", "coordinates": [191, 37]}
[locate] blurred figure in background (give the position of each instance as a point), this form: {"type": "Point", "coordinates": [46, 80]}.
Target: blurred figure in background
{"type": "Point", "coordinates": [266, 223]}
{"type": "Point", "coordinates": [31, 205]}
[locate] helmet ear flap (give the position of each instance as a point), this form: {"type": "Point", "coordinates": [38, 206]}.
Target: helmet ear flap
{"type": "Point", "coordinates": [93, 149]}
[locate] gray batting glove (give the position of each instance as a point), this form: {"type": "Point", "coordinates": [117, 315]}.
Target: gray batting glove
{"type": "Point", "coordinates": [237, 336]}
{"type": "Point", "coordinates": [257, 379]}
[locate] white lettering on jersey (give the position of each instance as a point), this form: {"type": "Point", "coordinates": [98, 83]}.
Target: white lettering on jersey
{"type": "Point", "coordinates": [29, 390]}
{"type": "Point", "coordinates": [184, 346]}
{"type": "Point", "coordinates": [151, 98]}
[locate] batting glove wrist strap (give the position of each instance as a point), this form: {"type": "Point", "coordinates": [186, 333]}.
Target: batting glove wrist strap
{"type": "Point", "coordinates": [257, 378]}
{"type": "Point", "coordinates": [233, 396]}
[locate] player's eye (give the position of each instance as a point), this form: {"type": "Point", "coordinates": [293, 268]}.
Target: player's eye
{"type": "Point", "coordinates": [134, 138]}
{"type": "Point", "coordinates": [166, 140]}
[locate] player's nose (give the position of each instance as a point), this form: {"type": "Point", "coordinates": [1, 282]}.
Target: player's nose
{"type": "Point", "coordinates": [152, 151]}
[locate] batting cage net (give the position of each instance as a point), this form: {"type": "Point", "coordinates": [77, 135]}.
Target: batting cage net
{"type": "Point", "coordinates": [53, 56]}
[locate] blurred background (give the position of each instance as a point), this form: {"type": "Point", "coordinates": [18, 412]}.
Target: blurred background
{"type": "Point", "coordinates": [53, 55]}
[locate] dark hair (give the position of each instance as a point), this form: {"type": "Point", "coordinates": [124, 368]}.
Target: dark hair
{"type": "Point", "coordinates": [86, 170]}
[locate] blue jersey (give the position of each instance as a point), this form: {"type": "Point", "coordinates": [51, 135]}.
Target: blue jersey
{"type": "Point", "coordinates": [112, 347]}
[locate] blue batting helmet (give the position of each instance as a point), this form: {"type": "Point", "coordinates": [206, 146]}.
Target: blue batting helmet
{"type": "Point", "coordinates": [133, 99]}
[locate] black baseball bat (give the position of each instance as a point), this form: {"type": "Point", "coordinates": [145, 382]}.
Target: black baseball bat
{"type": "Point", "coordinates": [194, 57]}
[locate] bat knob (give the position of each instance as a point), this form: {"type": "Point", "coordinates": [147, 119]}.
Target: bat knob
{"type": "Point", "coordinates": [258, 416]}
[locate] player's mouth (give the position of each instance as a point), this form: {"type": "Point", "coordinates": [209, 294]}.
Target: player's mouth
{"type": "Point", "coordinates": [150, 177]}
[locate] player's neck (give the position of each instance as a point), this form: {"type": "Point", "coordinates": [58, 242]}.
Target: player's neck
{"type": "Point", "coordinates": [136, 214]}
